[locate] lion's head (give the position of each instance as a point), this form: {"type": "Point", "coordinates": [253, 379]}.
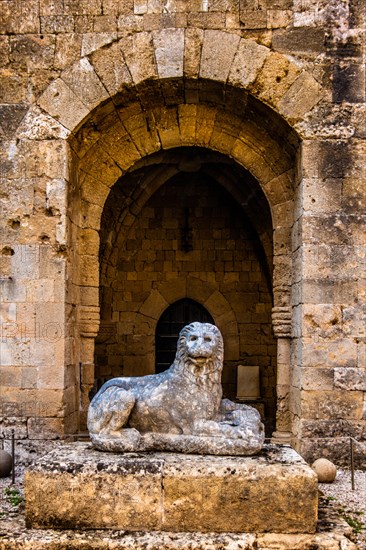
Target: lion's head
{"type": "Point", "coordinates": [200, 350]}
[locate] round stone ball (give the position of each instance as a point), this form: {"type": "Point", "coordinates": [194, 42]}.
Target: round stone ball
{"type": "Point", "coordinates": [5, 464]}
{"type": "Point", "coordinates": [325, 470]}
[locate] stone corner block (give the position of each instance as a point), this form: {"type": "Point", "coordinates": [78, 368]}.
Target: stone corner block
{"type": "Point", "coordinates": [91, 42]}
{"type": "Point", "coordinates": [38, 125]}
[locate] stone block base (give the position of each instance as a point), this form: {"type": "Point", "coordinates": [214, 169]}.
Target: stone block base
{"type": "Point", "coordinates": [77, 487]}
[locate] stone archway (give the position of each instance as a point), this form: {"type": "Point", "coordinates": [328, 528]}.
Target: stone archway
{"type": "Point", "coordinates": [250, 147]}
{"type": "Point", "coordinates": [151, 92]}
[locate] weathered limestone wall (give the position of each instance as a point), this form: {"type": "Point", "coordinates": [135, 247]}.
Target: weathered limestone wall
{"type": "Point", "coordinates": [85, 94]}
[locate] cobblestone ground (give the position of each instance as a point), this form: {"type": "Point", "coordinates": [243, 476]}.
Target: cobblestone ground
{"type": "Point", "coordinates": [349, 504]}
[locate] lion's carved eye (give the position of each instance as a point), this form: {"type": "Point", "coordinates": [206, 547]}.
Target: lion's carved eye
{"type": "Point", "coordinates": [193, 337]}
{"type": "Point", "coordinates": [207, 339]}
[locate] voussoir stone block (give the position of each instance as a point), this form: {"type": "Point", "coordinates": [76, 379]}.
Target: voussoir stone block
{"type": "Point", "coordinates": [78, 487]}
{"type": "Point", "coordinates": [138, 53]}
{"type": "Point", "coordinates": [60, 102]}
{"type": "Point", "coordinates": [169, 52]}
{"type": "Point", "coordinates": [248, 60]}
{"type": "Point", "coordinates": [301, 97]}
{"type": "Point", "coordinates": [111, 68]}
{"type": "Point", "coordinates": [187, 122]}
{"type": "Point", "coordinates": [84, 82]}
{"type": "Point", "coordinates": [217, 53]}
{"type": "Point", "coordinates": [192, 51]}
{"type": "Point", "coordinates": [275, 78]}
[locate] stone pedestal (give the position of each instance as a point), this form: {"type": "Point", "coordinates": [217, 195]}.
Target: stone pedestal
{"type": "Point", "coordinates": [77, 487]}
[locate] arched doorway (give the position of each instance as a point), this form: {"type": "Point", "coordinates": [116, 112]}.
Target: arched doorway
{"type": "Point", "coordinates": [174, 318]}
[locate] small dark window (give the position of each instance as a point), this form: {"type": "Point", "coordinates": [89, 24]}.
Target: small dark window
{"type": "Point", "coordinates": [174, 318]}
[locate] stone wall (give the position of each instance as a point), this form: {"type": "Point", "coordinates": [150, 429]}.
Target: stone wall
{"type": "Point", "coordinates": [88, 90]}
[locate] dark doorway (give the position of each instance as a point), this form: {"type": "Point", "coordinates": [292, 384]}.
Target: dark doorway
{"type": "Point", "coordinates": [174, 318]}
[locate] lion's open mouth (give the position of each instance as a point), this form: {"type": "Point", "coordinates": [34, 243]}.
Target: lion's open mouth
{"type": "Point", "coordinates": [199, 359]}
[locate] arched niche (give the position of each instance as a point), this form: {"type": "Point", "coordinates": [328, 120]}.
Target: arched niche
{"type": "Point", "coordinates": [143, 149]}
{"type": "Point", "coordinates": [200, 198]}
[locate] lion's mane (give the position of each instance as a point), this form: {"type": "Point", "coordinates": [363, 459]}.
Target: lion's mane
{"type": "Point", "coordinates": [211, 371]}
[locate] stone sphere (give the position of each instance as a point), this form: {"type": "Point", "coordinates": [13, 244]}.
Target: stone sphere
{"type": "Point", "coordinates": [5, 464]}
{"type": "Point", "coordinates": [325, 470]}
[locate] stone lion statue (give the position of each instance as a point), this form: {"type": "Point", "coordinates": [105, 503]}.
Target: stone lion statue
{"type": "Point", "coordinates": [180, 409]}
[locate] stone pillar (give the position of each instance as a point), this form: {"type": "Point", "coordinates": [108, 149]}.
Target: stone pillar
{"type": "Point", "coordinates": [281, 322]}
{"type": "Point", "coordinates": [89, 325]}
